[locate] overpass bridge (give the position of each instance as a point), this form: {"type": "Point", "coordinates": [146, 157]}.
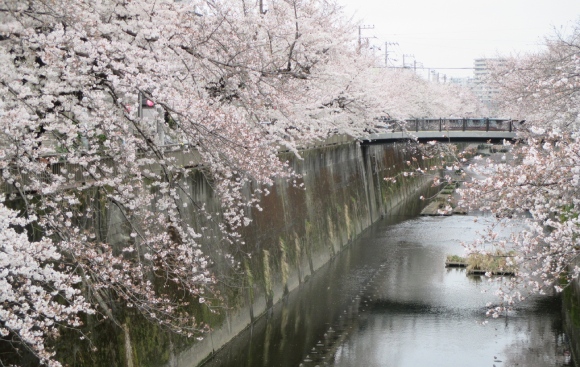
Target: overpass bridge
{"type": "Point", "coordinates": [447, 129]}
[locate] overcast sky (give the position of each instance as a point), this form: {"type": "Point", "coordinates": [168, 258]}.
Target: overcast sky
{"type": "Point", "coordinates": [451, 33]}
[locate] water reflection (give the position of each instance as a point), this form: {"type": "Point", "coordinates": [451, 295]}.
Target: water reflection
{"type": "Point", "coordinates": [389, 301]}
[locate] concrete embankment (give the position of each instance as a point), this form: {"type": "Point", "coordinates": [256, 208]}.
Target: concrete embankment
{"type": "Point", "coordinates": [571, 317]}
{"type": "Point", "coordinates": [302, 225]}
{"type": "Point", "coordinates": [301, 229]}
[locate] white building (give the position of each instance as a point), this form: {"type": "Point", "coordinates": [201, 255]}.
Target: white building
{"type": "Point", "coordinates": [466, 82]}
{"type": "Point", "coordinates": [482, 87]}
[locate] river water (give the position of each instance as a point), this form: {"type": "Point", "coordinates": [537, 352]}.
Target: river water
{"type": "Point", "coordinates": [388, 300]}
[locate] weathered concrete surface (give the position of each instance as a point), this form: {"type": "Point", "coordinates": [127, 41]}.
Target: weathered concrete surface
{"type": "Point", "coordinates": [301, 229]}
{"type": "Point", "coordinates": [571, 317]}
{"type": "Point", "coordinates": [341, 192]}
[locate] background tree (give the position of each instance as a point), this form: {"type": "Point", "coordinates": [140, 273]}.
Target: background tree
{"type": "Point", "coordinates": [543, 177]}
{"type": "Point", "coordinates": [407, 95]}
{"type": "Point", "coordinates": [543, 87]}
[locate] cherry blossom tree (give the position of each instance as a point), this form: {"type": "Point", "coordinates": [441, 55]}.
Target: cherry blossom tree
{"type": "Point", "coordinates": [537, 182]}
{"type": "Point", "coordinates": [407, 95]}
{"type": "Point", "coordinates": [543, 87]}
{"type": "Point", "coordinates": [33, 288]}
{"type": "Point", "coordinates": [108, 105]}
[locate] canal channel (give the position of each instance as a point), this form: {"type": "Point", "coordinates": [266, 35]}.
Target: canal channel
{"type": "Point", "coordinates": [388, 300]}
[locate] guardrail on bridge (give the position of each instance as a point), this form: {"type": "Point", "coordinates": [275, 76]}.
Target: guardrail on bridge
{"type": "Point", "coordinates": [463, 124]}
{"type": "Point", "coordinates": [447, 128]}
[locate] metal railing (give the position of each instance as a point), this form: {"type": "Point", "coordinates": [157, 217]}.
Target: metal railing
{"type": "Point", "coordinates": [462, 124]}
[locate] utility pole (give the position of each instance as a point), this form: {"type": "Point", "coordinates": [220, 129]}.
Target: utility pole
{"type": "Point", "coordinates": [360, 28]}
{"type": "Point", "coordinates": [417, 64]}
{"type": "Point", "coordinates": [387, 44]}
{"type": "Point", "coordinates": [404, 59]}
{"type": "Point", "coordinates": [435, 75]}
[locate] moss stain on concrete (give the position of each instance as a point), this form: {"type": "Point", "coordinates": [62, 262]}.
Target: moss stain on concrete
{"type": "Point", "coordinates": [298, 231]}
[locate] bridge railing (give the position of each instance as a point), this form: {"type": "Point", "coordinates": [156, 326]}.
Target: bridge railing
{"type": "Point", "coordinates": [427, 125]}
{"type": "Point", "coordinates": [462, 124]}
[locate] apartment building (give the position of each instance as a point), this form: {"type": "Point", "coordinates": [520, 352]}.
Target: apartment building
{"type": "Point", "coordinates": [482, 87]}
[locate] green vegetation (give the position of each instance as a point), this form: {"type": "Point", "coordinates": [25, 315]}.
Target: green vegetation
{"type": "Point", "coordinates": [455, 259]}
{"type": "Point", "coordinates": [496, 264]}
{"type": "Point", "coordinates": [493, 263]}
{"type": "Point", "coordinates": [568, 212]}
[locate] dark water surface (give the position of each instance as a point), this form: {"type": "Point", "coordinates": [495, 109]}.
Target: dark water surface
{"type": "Point", "coordinates": [388, 300]}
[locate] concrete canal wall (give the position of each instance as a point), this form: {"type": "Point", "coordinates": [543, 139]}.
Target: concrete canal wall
{"type": "Point", "coordinates": [303, 225]}
{"type": "Point", "coordinates": [301, 229]}
{"type": "Point", "coordinates": [571, 318]}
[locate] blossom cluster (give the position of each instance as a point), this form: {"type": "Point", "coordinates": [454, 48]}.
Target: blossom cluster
{"type": "Point", "coordinates": [539, 183]}
{"type": "Point", "coordinates": [107, 106]}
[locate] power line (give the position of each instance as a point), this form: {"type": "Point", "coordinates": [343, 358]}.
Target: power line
{"type": "Point", "coordinates": [387, 44]}
{"type": "Point", "coordinates": [360, 28]}
{"type": "Point", "coordinates": [407, 55]}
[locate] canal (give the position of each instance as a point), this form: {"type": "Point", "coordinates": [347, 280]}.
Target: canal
{"type": "Point", "coordinates": [388, 300]}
